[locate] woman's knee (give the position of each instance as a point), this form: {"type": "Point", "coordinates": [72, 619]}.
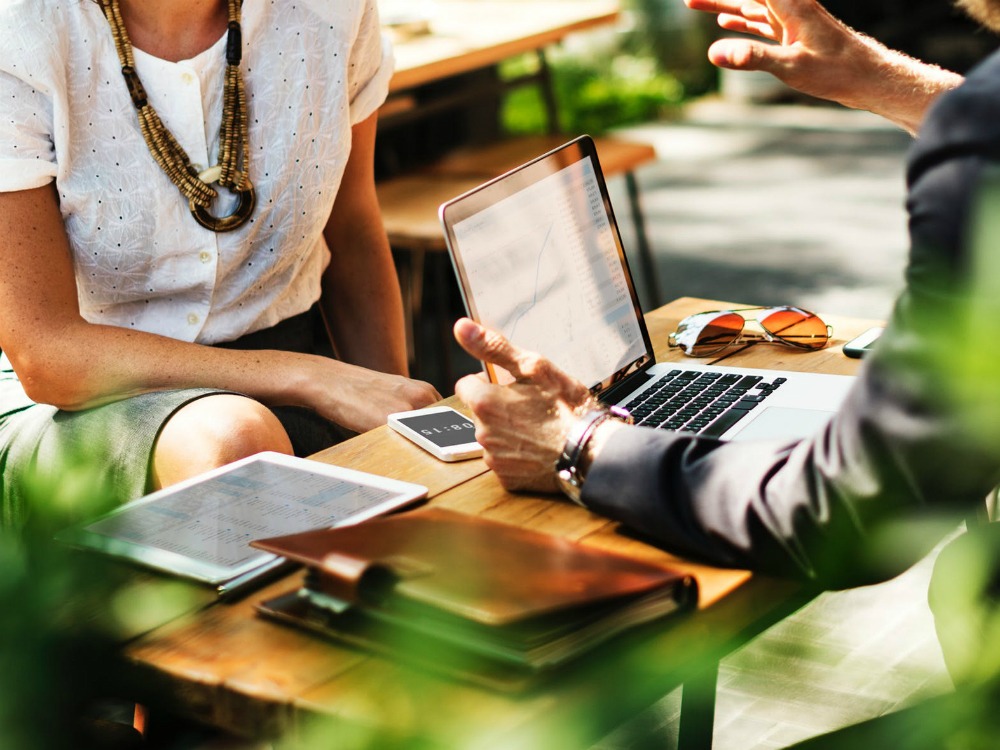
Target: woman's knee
{"type": "Point", "coordinates": [211, 432]}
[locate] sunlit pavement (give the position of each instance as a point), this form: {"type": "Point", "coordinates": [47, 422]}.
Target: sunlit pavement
{"type": "Point", "coordinates": [776, 204]}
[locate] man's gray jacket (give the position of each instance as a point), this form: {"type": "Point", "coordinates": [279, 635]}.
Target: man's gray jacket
{"type": "Point", "coordinates": [916, 446]}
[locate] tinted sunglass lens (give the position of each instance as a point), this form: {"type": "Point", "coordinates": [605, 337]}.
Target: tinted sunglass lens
{"type": "Point", "coordinates": [717, 334]}
{"type": "Point", "coordinates": [798, 327]}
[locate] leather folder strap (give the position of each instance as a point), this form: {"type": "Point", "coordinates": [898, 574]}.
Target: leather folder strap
{"type": "Point", "coordinates": [352, 580]}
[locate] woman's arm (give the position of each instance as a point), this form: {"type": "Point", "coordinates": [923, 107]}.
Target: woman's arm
{"type": "Point", "coordinates": [65, 361]}
{"type": "Point", "coordinates": [361, 299]}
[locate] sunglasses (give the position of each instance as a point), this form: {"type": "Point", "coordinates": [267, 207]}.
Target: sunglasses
{"type": "Point", "coordinates": [703, 334]}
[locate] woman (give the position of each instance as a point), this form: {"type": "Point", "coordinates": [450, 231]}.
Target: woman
{"type": "Point", "coordinates": [122, 274]}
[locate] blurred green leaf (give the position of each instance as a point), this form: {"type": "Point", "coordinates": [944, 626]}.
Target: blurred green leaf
{"type": "Point", "coordinates": [57, 633]}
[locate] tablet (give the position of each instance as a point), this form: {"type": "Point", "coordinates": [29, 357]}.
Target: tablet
{"type": "Point", "coordinates": [202, 528]}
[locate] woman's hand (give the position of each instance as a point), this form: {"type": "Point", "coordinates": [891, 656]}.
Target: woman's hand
{"type": "Point", "coordinates": [361, 399]}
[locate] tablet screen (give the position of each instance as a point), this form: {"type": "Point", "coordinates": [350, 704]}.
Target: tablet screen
{"type": "Point", "coordinates": [202, 528]}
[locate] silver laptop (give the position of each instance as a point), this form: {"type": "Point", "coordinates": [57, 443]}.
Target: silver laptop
{"type": "Point", "coordinates": [539, 258]}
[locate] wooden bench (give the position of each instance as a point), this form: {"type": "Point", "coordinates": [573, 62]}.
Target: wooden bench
{"type": "Point", "coordinates": [410, 204]}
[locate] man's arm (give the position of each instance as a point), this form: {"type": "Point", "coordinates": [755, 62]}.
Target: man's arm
{"type": "Point", "coordinates": [810, 50]}
{"type": "Point", "coordinates": [896, 469]}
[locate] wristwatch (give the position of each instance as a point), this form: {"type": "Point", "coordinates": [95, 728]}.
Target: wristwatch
{"type": "Point", "coordinates": [570, 473]}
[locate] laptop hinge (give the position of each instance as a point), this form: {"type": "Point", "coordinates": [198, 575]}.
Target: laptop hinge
{"type": "Point", "coordinates": [616, 392]}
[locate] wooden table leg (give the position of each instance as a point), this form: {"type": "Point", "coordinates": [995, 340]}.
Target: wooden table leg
{"type": "Point", "coordinates": [646, 259]}
{"type": "Point", "coordinates": [443, 282]}
{"type": "Point", "coordinates": [410, 271]}
{"type": "Point", "coordinates": [698, 710]}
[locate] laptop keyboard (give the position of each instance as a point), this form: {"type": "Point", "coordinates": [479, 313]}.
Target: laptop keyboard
{"type": "Point", "coordinates": [706, 403]}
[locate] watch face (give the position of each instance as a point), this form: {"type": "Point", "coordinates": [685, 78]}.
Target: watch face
{"type": "Point", "coordinates": [444, 429]}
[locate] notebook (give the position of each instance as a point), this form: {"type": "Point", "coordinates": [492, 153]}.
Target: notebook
{"type": "Point", "coordinates": [488, 602]}
{"type": "Point", "coordinates": [539, 257]}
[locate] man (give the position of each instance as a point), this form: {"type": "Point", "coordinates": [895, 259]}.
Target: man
{"type": "Point", "coordinates": [904, 448]}
{"type": "Point", "coordinates": [918, 436]}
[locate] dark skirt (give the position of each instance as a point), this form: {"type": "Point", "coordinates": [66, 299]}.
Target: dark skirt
{"type": "Point", "coordinates": [109, 448]}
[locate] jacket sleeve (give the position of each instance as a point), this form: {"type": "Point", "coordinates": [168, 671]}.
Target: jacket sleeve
{"type": "Point", "coordinates": [911, 452]}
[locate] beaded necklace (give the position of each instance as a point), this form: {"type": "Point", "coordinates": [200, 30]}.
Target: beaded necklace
{"type": "Point", "coordinates": [231, 171]}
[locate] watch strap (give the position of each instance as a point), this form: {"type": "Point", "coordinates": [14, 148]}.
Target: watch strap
{"type": "Point", "coordinates": [568, 468]}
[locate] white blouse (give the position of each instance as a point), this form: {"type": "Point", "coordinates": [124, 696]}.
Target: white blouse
{"type": "Point", "coordinates": [312, 69]}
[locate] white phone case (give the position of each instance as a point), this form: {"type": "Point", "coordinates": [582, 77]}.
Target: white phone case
{"type": "Point", "coordinates": [424, 435]}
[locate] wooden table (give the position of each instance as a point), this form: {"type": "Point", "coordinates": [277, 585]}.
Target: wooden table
{"type": "Point", "coordinates": [469, 34]}
{"type": "Point", "coordinates": [470, 38]}
{"type": "Point", "coordinates": [229, 668]}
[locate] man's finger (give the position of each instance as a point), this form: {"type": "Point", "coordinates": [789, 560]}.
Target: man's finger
{"type": "Point", "coordinates": [742, 26]}
{"type": "Point", "coordinates": [715, 6]}
{"type": "Point", "coordinates": [471, 389]}
{"type": "Point", "coordinates": [489, 346]}
{"type": "Point", "coordinates": [751, 9]}
{"type": "Point", "coordinates": [754, 11]}
{"type": "Point", "coordinates": [795, 8]}
{"type": "Point", "coordinates": [743, 54]}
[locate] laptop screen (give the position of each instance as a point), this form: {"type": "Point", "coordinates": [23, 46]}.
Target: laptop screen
{"type": "Point", "coordinates": [539, 258]}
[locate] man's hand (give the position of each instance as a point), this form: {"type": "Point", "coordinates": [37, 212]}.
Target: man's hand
{"type": "Point", "coordinates": [809, 54]}
{"type": "Point", "coordinates": [521, 426]}
{"type": "Point", "coordinates": [813, 52]}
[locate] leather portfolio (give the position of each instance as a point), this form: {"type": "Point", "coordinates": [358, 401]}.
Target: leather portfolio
{"type": "Point", "coordinates": [490, 602]}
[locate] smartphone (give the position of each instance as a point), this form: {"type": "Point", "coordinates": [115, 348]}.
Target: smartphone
{"type": "Point", "coordinates": [439, 430]}
{"type": "Point", "coordinates": [859, 346]}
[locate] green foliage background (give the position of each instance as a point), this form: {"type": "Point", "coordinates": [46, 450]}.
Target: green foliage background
{"type": "Point", "coordinates": [593, 94]}
{"type": "Point", "coordinates": [640, 74]}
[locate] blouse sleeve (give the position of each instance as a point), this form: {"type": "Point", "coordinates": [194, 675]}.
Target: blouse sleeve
{"type": "Point", "coordinates": [371, 66]}
{"type": "Point", "coordinates": [27, 153]}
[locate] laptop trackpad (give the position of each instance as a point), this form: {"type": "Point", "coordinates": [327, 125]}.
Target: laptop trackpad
{"type": "Point", "coordinates": [784, 422]}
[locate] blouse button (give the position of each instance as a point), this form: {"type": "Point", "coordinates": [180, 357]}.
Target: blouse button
{"type": "Point", "coordinates": [187, 78]}
{"type": "Point", "coordinates": [193, 319]}
{"type": "Point", "coordinates": [205, 256]}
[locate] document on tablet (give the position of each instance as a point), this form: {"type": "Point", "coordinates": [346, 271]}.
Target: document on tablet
{"type": "Point", "coordinates": [202, 528]}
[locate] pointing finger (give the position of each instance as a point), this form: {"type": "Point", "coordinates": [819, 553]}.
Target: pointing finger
{"type": "Point", "coordinates": [489, 346]}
